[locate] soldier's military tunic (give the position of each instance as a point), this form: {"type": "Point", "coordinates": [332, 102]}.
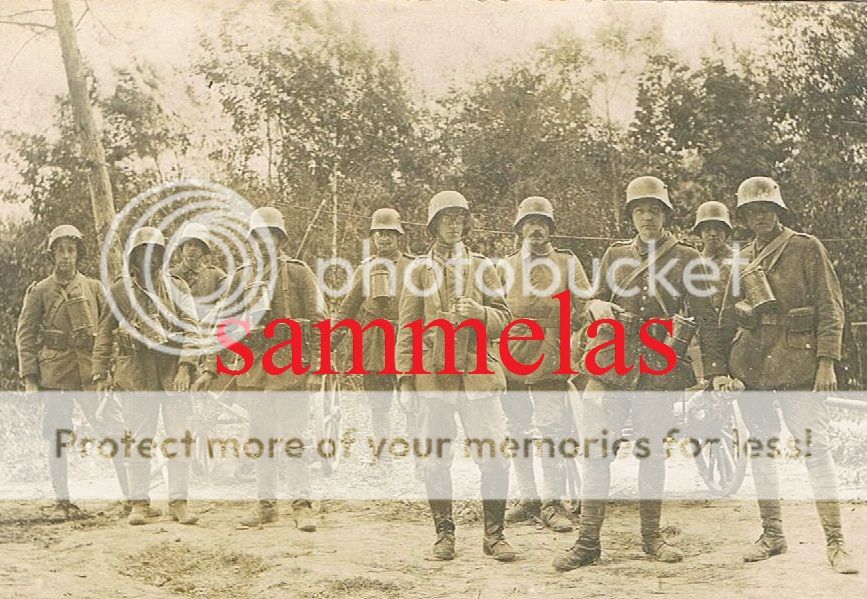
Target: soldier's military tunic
{"type": "Point", "coordinates": [56, 330]}
{"type": "Point", "coordinates": [719, 268]}
{"type": "Point", "coordinates": [139, 368]}
{"type": "Point", "coordinates": [780, 350]}
{"type": "Point", "coordinates": [539, 400]}
{"type": "Point", "coordinates": [295, 295]}
{"type": "Point", "coordinates": [360, 306]}
{"type": "Point", "coordinates": [474, 397]}
{"type": "Point", "coordinates": [206, 284]}
{"type": "Point", "coordinates": [652, 417]}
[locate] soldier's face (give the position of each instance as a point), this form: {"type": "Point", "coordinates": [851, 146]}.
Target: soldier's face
{"type": "Point", "coordinates": [192, 251]}
{"type": "Point", "coordinates": [65, 252]}
{"type": "Point", "coordinates": [385, 240]}
{"type": "Point", "coordinates": [761, 218]}
{"type": "Point", "coordinates": [648, 217]}
{"type": "Point", "coordinates": [536, 231]}
{"type": "Point", "coordinates": [450, 226]}
{"type": "Point", "coordinates": [146, 258]}
{"type": "Point", "coordinates": [713, 235]}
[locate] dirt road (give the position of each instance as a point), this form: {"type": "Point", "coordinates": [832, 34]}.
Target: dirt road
{"type": "Point", "coordinates": [379, 549]}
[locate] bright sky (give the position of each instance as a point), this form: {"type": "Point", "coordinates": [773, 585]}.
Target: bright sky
{"type": "Point", "coordinates": [440, 42]}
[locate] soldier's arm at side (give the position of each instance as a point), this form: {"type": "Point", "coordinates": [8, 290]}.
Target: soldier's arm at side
{"type": "Point", "coordinates": [314, 309]}
{"type": "Point", "coordinates": [828, 297]}
{"type": "Point", "coordinates": [102, 343]}
{"type": "Point", "coordinates": [581, 290]}
{"type": "Point", "coordinates": [411, 308]}
{"type": "Point", "coordinates": [497, 314]}
{"type": "Point", "coordinates": [26, 337]}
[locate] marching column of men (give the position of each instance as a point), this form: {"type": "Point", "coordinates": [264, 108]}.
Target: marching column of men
{"type": "Point", "coordinates": [776, 326]}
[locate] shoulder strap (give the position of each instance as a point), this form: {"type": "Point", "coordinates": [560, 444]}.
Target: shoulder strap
{"type": "Point", "coordinates": [284, 283]}
{"type": "Point", "coordinates": [778, 244]}
{"type": "Point", "coordinates": [645, 264]}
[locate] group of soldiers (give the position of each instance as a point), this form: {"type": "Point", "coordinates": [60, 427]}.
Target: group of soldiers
{"type": "Point", "coordinates": [66, 334]}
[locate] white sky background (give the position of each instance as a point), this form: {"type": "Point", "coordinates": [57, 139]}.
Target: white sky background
{"type": "Point", "coordinates": [439, 42]}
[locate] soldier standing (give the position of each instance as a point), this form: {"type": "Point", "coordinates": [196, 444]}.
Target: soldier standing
{"type": "Point", "coordinates": [287, 290]}
{"type": "Point", "coordinates": [713, 225]}
{"type": "Point", "coordinates": [56, 329]}
{"type": "Point", "coordinates": [447, 284]}
{"type": "Point", "coordinates": [787, 341]}
{"type": "Point", "coordinates": [634, 298]}
{"type": "Point", "coordinates": [205, 281]}
{"type": "Point", "coordinates": [375, 293]}
{"type": "Point", "coordinates": [538, 272]}
{"type": "Point", "coordinates": [155, 315]}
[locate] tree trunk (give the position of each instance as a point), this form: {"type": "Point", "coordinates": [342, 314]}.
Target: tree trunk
{"type": "Point", "coordinates": [101, 200]}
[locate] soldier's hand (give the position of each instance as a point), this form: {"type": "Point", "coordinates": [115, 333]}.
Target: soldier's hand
{"type": "Point", "coordinates": [406, 395]}
{"type": "Point", "coordinates": [469, 308]}
{"type": "Point", "coordinates": [601, 310]}
{"type": "Point", "coordinates": [826, 378]}
{"type": "Point", "coordinates": [182, 378]}
{"type": "Point", "coordinates": [721, 383]}
{"type": "Point", "coordinates": [103, 386]}
{"type": "Point", "coordinates": [203, 381]}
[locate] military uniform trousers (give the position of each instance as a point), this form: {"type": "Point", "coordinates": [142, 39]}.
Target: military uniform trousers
{"type": "Point", "coordinates": [483, 420]}
{"type": "Point", "coordinates": [538, 409]}
{"type": "Point", "coordinates": [282, 415]}
{"type": "Point", "coordinates": [802, 412]}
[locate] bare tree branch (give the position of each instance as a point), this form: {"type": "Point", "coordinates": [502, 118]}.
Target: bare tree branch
{"type": "Point", "coordinates": [27, 24]}
{"type": "Point", "coordinates": [20, 50]}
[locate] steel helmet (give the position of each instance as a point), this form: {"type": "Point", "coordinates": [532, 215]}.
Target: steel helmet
{"type": "Point", "coordinates": [647, 187]}
{"type": "Point", "coordinates": [195, 231]}
{"type": "Point", "coordinates": [534, 206]}
{"type": "Point", "coordinates": [267, 218]}
{"type": "Point", "coordinates": [447, 199]}
{"type": "Point", "coordinates": [70, 231]}
{"type": "Point", "coordinates": [145, 236]}
{"type": "Point", "coordinates": [386, 219]}
{"type": "Point", "coordinates": [712, 212]}
{"type": "Point", "coordinates": [760, 189]}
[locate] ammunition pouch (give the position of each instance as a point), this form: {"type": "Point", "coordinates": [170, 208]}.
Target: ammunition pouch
{"type": "Point", "coordinates": [801, 328]}
{"type": "Point", "coordinates": [59, 340]}
{"type": "Point", "coordinates": [605, 357]}
{"type": "Point", "coordinates": [683, 374]}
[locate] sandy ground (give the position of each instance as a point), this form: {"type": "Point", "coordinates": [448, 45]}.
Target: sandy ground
{"type": "Point", "coordinates": [380, 549]}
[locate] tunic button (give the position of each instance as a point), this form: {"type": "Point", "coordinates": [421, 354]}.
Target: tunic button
{"type": "Point", "coordinates": [808, 346]}
{"type": "Point", "coordinates": [768, 356]}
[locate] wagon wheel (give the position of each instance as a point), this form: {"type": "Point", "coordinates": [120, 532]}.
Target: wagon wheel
{"type": "Point", "coordinates": [722, 465]}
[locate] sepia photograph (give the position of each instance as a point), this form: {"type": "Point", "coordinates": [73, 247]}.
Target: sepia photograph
{"type": "Point", "coordinates": [432, 298]}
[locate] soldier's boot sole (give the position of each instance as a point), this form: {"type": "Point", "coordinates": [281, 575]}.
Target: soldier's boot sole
{"type": "Point", "coordinates": [765, 548]}
{"type": "Point", "coordinates": [304, 519]}
{"type": "Point", "coordinates": [260, 517]}
{"type": "Point", "coordinates": [524, 511]}
{"type": "Point", "coordinates": [554, 519]}
{"type": "Point", "coordinates": [841, 560]}
{"type": "Point", "coordinates": [182, 515]}
{"type": "Point", "coordinates": [444, 548]}
{"type": "Point", "coordinates": [577, 557]}
{"type": "Point", "coordinates": [660, 551]}
{"type": "Point", "coordinates": [499, 549]}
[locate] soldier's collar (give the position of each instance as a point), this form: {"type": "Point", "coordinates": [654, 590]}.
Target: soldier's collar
{"type": "Point", "coordinates": [725, 251]}
{"type": "Point", "coordinates": [642, 248]}
{"type": "Point", "coordinates": [526, 254]}
{"type": "Point", "coordinates": [63, 283]}
{"type": "Point", "coordinates": [455, 252]}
